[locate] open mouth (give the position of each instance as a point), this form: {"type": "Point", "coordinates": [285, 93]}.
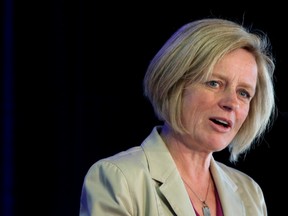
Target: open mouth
{"type": "Point", "coordinates": [221, 122]}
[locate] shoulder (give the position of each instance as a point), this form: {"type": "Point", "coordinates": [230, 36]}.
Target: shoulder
{"type": "Point", "coordinates": [134, 161]}
{"type": "Point", "coordinates": [238, 188]}
{"type": "Point", "coordinates": [126, 159]}
{"type": "Point", "coordinates": [242, 180]}
{"type": "Point", "coordinates": [126, 163]}
{"type": "Point", "coordinates": [233, 173]}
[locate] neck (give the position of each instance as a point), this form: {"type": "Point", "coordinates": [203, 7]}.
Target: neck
{"type": "Point", "coordinates": [202, 199]}
{"type": "Point", "coordinates": [185, 153]}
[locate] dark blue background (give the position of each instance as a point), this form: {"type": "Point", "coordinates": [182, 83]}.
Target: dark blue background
{"type": "Point", "coordinates": [72, 94]}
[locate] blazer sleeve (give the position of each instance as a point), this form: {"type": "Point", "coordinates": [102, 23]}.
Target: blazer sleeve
{"type": "Point", "coordinates": [105, 191]}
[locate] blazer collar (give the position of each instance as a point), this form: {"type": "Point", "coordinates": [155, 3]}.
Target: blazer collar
{"type": "Point", "coordinates": [227, 189]}
{"type": "Point", "coordinates": [164, 170]}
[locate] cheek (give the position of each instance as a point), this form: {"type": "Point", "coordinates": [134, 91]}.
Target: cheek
{"type": "Point", "coordinates": [242, 115]}
{"type": "Point", "coordinates": [197, 101]}
{"type": "Point", "coordinates": [197, 97]}
{"type": "Point", "coordinates": [193, 105]}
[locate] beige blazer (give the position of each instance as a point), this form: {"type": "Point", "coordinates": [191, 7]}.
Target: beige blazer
{"type": "Point", "coordinates": [144, 181]}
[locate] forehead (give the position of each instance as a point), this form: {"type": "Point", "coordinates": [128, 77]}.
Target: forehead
{"type": "Point", "coordinates": [238, 64]}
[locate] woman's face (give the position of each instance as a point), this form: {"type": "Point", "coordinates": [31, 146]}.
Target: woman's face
{"type": "Point", "coordinates": [214, 111]}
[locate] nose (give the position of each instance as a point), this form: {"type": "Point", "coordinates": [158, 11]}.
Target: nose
{"type": "Point", "coordinates": [230, 101]}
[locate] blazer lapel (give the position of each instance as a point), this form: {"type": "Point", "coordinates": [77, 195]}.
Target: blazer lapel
{"type": "Point", "coordinates": [230, 199]}
{"type": "Point", "coordinates": [174, 191]}
{"type": "Point", "coordinates": [164, 171]}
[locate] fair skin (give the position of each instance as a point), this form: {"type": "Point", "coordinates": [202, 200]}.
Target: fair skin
{"type": "Point", "coordinates": [213, 113]}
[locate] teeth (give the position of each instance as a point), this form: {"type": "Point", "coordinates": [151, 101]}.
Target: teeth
{"type": "Point", "coordinates": [222, 122]}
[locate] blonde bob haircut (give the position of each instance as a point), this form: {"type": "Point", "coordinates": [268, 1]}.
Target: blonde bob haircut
{"type": "Point", "coordinates": [190, 55]}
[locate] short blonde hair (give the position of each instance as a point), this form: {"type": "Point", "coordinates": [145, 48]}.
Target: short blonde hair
{"type": "Point", "coordinates": [189, 57]}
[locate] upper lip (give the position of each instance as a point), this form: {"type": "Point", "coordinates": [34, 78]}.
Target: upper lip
{"type": "Point", "coordinates": [225, 121]}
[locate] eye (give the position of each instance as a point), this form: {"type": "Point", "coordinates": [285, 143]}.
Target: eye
{"type": "Point", "coordinates": [213, 83]}
{"type": "Point", "coordinates": [245, 94]}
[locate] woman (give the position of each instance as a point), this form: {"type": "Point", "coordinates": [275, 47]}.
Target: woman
{"type": "Point", "coordinates": [211, 85]}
